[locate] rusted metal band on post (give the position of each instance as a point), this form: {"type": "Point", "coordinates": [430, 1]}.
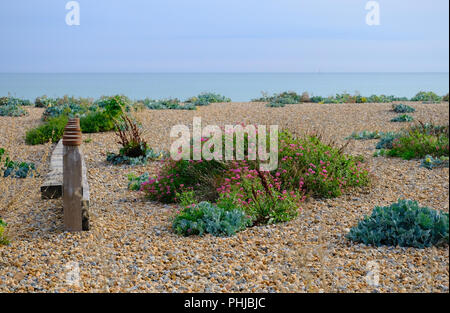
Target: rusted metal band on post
{"type": "Point", "coordinates": [72, 133]}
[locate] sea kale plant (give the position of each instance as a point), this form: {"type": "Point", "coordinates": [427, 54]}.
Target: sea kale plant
{"type": "Point", "coordinates": [403, 118]}
{"type": "Point", "coordinates": [166, 104]}
{"type": "Point", "coordinates": [198, 219]}
{"type": "Point", "coordinates": [403, 108]}
{"type": "Point", "coordinates": [404, 224]}
{"type": "Point", "coordinates": [10, 106]}
{"type": "Point", "coordinates": [430, 163]}
{"type": "Point", "coordinates": [15, 169]}
{"type": "Point", "coordinates": [12, 110]}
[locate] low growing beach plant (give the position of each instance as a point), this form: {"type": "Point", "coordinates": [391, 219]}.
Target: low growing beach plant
{"type": "Point", "coordinates": [103, 119]}
{"type": "Point", "coordinates": [94, 117]}
{"type": "Point", "coordinates": [418, 143]}
{"type": "Point", "coordinates": [134, 149]}
{"type": "Point", "coordinates": [280, 100]}
{"type": "Point", "coordinates": [207, 98]}
{"type": "Point", "coordinates": [135, 181]}
{"type": "Point", "coordinates": [204, 217]}
{"type": "Point", "coordinates": [387, 139]}
{"type": "Point", "coordinates": [3, 239]}
{"type": "Point", "coordinates": [365, 135]}
{"type": "Point", "coordinates": [403, 108]}
{"type": "Point", "coordinates": [167, 104]}
{"type": "Point", "coordinates": [404, 224]}
{"type": "Point", "coordinates": [430, 163]}
{"type": "Point", "coordinates": [426, 97]}
{"type": "Point", "coordinates": [12, 110]}
{"type": "Point", "coordinates": [15, 169]}
{"type": "Point", "coordinates": [402, 118]}
{"type": "Point", "coordinates": [9, 100]}
{"type": "Point", "coordinates": [51, 130]}
{"type": "Point", "coordinates": [44, 102]}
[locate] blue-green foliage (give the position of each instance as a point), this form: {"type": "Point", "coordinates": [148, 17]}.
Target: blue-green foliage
{"type": "Point", "coordinates": [135, 182]}
{"type": "Point", "coordinates": [150, 155]}
{"type": "Point", "coordinates": [14, 101]}
{"type": "Point", "coordinates": [44, 102]}
{"type": "Point", "coordinates": [387, 139]}
{"type": "Point", "coordinates": [365, 135]}
{"type": "Point", "coordinates": [430, 163]}
{"type": "Point", "coordinates": [403, 108]}
{"type": "Point", "coordinates": [166, 104]}
{"type": "Point", "coordinates": [198, 219]}
{"type": "Point", "coordinates": [403, 224]}
{"type": "Point", "coordinates": [402, 118]}
{"type": "Point", "coordinates": [207, 98]}
{"type": "Point", "coordinates": [15, 169]}
{"type": "Point", "coordinates": [12, 110]}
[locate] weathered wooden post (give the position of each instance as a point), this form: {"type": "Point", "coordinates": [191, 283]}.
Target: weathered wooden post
{"type": "Point", "coordinates": [72, 177]}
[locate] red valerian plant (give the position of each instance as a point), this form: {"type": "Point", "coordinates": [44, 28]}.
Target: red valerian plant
{"type": "Point", "coordinates": [259, 194]}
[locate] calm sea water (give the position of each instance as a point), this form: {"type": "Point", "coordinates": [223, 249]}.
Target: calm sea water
{"type": "Point", "coordinates": [239, 87]}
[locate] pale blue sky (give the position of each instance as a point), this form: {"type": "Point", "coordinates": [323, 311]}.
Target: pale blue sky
{"type": "Point", "coordinates": [224, 36]}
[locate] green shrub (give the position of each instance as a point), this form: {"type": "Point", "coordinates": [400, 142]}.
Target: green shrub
{"type": "Point", "coordinates": [402, 118]}
{"type": "Point", "coordinates": [423, 96]}
{"type": "Point", "coordinates": [96, 122]}
{"type": "Point", "coordinates": [430, 163]}
{"type": "Point", "coordinates": [3, 239]}
{"type": "Point", "coordinates": [52, 130]}
{"type": "Point", "coordinates": [208, 218]}
{"type": "Point", "coordinates": [403, 108]}
{"type": "Point", "coordinates": [102, 119]}
{"type": "Point", "coordinates": [403, 224]}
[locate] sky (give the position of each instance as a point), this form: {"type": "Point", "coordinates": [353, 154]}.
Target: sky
{"type": "Point", "coordinates": [224, 36]}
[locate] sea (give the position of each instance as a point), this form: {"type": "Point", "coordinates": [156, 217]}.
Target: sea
{"type": "Point", "coordinates": [239, 87]}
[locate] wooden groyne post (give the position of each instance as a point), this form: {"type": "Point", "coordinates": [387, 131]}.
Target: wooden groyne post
{"type": "Point", "coordinates": [72, 177]}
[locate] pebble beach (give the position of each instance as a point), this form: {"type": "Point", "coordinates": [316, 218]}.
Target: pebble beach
{"type": "Point", "coordinates": [131, 248]}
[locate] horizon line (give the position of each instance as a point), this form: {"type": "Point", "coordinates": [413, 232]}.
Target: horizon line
{"type": "Point", "coordinates": [219, 72]}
